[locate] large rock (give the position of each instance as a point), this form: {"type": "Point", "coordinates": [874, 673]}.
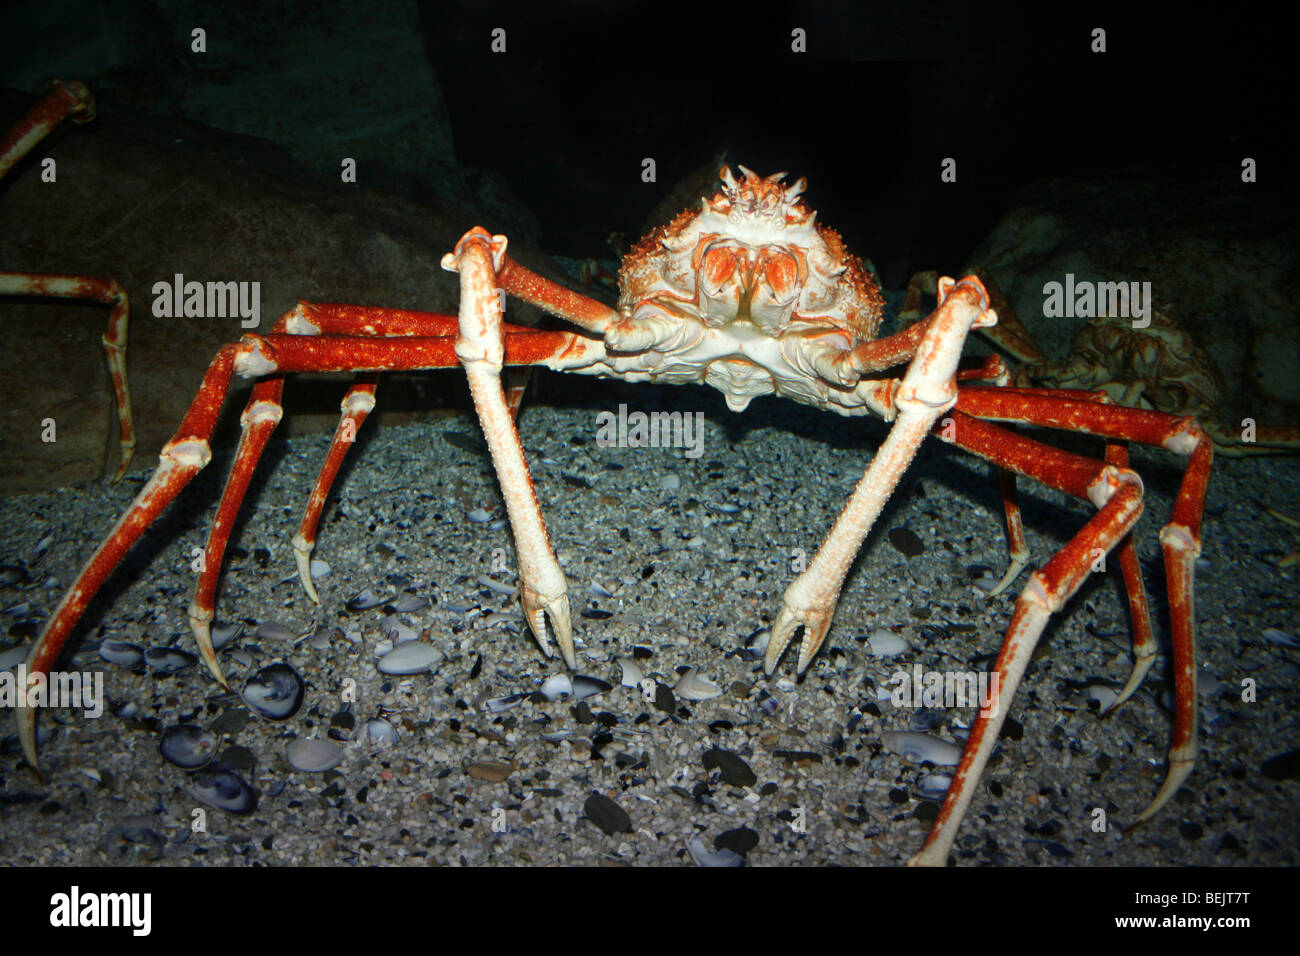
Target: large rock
{"type": "Point", "coordinates": [1222, 252]}
{"type": "Point", "coordinates": [141, 200]}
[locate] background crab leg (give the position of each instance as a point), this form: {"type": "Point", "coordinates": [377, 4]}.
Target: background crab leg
{"type": "Point", "coordinates": [928, 390]}
{"type": "Point", "coordinates": [64, 101]}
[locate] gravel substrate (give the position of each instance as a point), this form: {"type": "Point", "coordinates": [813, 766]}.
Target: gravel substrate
{"type": "Point", "coordinates": [696, 553]}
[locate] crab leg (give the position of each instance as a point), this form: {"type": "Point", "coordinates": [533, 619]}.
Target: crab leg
{"type": "Point", "coordinates": [1110, 485]}
{"type": "Point", "coordinates": [1118, 493]}
{"type": "Point", "coordinates": [189, 450]}
{"type": "Point", "coordinates": [480, 348]}
{"type": "Point", "coordinates": [928, 390]}
{"type": "Point", "coordinates": [73, 101]}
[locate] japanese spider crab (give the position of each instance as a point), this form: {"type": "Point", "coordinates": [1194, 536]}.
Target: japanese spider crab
{"type": "Point", "coordinates": [749, 294]}
{"type": "Point", "coordinates": [73, 101]}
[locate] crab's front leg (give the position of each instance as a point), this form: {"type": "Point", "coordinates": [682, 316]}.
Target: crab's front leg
{"type": "Point", "coordinates": [480, 346]}
{"type": "Point", "coordinates": [928, 390]}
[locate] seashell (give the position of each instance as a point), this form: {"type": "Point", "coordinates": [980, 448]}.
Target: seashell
{"type": "Point", "coordinates": [319, 569]}
{"type": "Point", "coordinates": [925, 718]}
{"type": "Point", "coordinates": [500, 617]}
{"type": "Point", "coordinates": [126, 710]}
{"type": "Point", "coordinates": [397, 632]}
{"type": "Point", "coordinates": [188, 746]}
{"type": "Point", "coordinates": [1275, 636]}
{"type": "Point", "coordinates": [413, 657]}
{"type": "Point", "coordinates": [321, 638]}
{"type": "Point", "coordinates": [723, 508]}
{"type": "Point", "coordinates": [224, 789]}
{"type": "Point", "coordinates": [670, 482]}
{"type": "Point", "coordinates": [383, 647]}
{"type": "Point", "coordinates": [691, 686]}
{"type": "Point", "coordinates": [275, 692]}
{"type": "Point", "coordinates": [596, 591]}
{"type": "Point", "coordinates": [11, 574]}
{"type": "Point", "coordinates": [407, 602]}
{"type": "Point", "coordinates": [42, 546]}
{"type": "Point", "coordinates": [458, 608]}
{"type": "Point", "coordinates": [1103, 695]}
{"type": "Point", "coordinates": [314, 756]}
{"type": "Point", "coordinates": [757, 642]}
{"type": "Point", "coordinates": [13, 656]}
{"type": "Point", "coordinates": [506, 589]}
{"type": "Point", "coordinates": [557, 686]}
{"type": "Point", "coordinates": [168, 660]}
{"type": "Point", "coordinates": [272, 631]}
{"type": "Point", "coordinates": [223, 634]}
{"type": "Point", "coordinates": [921, 748]}
{"type": "Point", "coordinates": [584, 686]}
{"type": "Point", "coordinates": [121, 652]}
{"type": "Point", "coordinates": [933, 786]}
{"type": "Point", "coordinates": [364, 601]}
{"type": "Point", "coordinates": [478, 516]}
{"type": "Point", "coordinates": [885, 643]}
{"type": "Point", "coordinates": [17, 610]}
{"type": "Point", "coordinates": [703, 856]}
{"type": "Point", "coordinates": [632, 673]}
{"type": "Point", "coordinates": [499, 705]}
{"type": "Point", "coordinates": [380, 733]}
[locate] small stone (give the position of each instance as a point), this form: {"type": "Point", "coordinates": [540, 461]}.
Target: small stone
{"type": "Point", "coordinates": [734, 770]}
{"type": "Point", "coordinates": [606, 814]}
{"type": "Point", "coordinates": [906, 542]}
{"type": "Point", "coordinates": [492, 771]}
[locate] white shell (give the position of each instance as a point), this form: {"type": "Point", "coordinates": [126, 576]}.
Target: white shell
{"type": "Point", "coordinates": [557, 686]}
{"type": "Point", "coordinates": [670, 482]}
{"type": "Point", "coordinates": [691, 686]}
{"type": "Point", "coordinates": [920, 748]}
{"type": "Point", "coordinates": [1103, 695]}
{"type": "Point", "coordinates": [394, 630]}
{"type": "Point", "coordinates": [413, 657]}
{"type": "Point", "coordinates": [632, 673]}
{"type": "Point", "coordinates": [885, 643]}
{"type": "Point", "coordinates": [703, 856]}
{"type": "Point", "coordinates": [314, 756]}
{"type": "Point", "coordinates": [1275, 636]}
{"type": "Point", "coordinates": [319, 569]}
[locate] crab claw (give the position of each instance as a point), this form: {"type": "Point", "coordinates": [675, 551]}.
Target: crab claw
{"type": "Point", "coordinates": [302, 549]}
{"type": "Point", "coordinates": [552, 602]}
{"type": "Point", "coordinates": [201, 625]}
{"type": "Point", "coordinates": [816, 622]}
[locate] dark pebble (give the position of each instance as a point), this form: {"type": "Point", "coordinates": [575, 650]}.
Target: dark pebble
{"type": "Point", "coordinates": [1190, 831]}
{"type": "Point", "coordinates": [797, 756]}
{"type": "Point", "coordinates": [664, 699]}
{"type": "Point", "coordinates": [734, 770]}
{"type": "Point", "coordinates": [740, 840]}
{"type": "Point", "coordinates": [606, 814]}
{"type": "Point", "coordinates": [1284, 766]}
{"type": "Point", "coordinates": [898, 795]}
{"type": "Point", "coordinates": [906, 542]}
{"type": "Point", "coordinates": [231, 721]}
{"type": "Point", "coordinates": [1011, 729]}
{"type": "Point", "coordinates": [464, 442]}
